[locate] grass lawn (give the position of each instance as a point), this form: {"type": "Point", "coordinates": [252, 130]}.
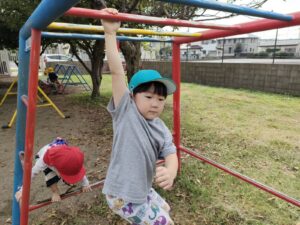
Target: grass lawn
{"type": "Point", "coordinates": [254, 133]}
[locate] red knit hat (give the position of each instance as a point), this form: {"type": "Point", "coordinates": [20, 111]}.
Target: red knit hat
{"type": "Point", "coordinates": [68, 161]}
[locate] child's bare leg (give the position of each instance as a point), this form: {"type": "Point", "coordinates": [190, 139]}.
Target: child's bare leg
{"type": "Point", "coordinates": [55, 193]}
{"type": "Point", "coordinates": [18, 196]}
{"type": "Point", "coordinates": [22, 157]}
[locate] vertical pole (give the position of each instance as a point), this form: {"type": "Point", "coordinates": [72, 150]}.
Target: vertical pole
{"type": "Point", "coordinates": [223, 49]}
{"type": "Point", "coordinates": [187, 52]}
{"type": "Point", "coordinates": [20, 125]}
{"type": "Point", "coordinates": [275, 46]}
{"type": "Point", "coordinates": [176, 100]}
{"type": "Point", "coordinates": [30, 121]}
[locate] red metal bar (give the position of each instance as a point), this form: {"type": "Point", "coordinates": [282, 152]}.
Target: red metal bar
{"type": "Point", "coordinates": [176, 100]}
{"type": "Point", "coordinates": [242, 177]}
{"type": "Point", "coordinates": [25, 99]}
{"type": "Point", "coordinates": [48, 202]}
{"type": "Point", "coordinates": [30, 121]}
{"type": "Point", "coordinates": [249, 27]}
{"type": "Point", "coordinates": [98, 14]}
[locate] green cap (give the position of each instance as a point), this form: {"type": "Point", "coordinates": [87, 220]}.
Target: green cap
{"type": "Point", "coordinates": [145, 76]}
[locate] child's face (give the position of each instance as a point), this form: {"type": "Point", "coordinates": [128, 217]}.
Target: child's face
{"type": "Point", "coordinates": [150, 105]}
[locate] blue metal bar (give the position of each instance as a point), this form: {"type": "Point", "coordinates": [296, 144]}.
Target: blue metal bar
{"type": "Point", "coordinates": [20, 125]}
{"type": "Point", "coordinates": [44, 14]}
{"type": "Point", "coordinates": [214, 5]}
{"type": "Point", "coordinates": [99, 37]}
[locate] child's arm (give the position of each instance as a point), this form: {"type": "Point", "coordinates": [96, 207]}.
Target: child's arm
{"type": "Point", "coordinates": [55, 193]}
{"type": "Point", "coordinates": [85, 185]}
{"type": "Point", "coordinates": [38, 167]}
{"type": "Point", "coordinates": [114, 61]}
{"type": "Point", "coordinates": [165, 175]}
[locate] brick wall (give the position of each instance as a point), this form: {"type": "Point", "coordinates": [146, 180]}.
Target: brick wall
{"type": "Point", "coordinates": [277, 78]}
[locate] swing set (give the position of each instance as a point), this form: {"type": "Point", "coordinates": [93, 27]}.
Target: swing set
{"type": "Point", "coordinates": [43, 99]}
{"type": "Point", "coordinates": [29, 50]}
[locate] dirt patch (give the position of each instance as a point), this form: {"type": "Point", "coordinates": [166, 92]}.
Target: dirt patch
{"type": "Point", "coordinates": [88, 128]}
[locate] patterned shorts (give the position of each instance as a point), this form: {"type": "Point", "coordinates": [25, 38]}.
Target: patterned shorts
{"type": "Point", "coordinates": [153, 212]}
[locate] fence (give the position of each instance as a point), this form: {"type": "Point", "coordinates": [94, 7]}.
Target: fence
{"type": "Point", "coordinates": [275, 78]}
{"type": "Point", "coordinates": [4, 63]}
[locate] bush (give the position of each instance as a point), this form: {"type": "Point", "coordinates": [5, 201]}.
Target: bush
{"type": "Point", "coordinates": [284, 54]}
{"type": "Point", "coordinates": [261, 55]}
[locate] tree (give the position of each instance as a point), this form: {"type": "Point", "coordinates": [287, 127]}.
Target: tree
{"type": "Point", "coordinates": [13, 15]}
{"type": "Point", "coordinates": [238, 49]}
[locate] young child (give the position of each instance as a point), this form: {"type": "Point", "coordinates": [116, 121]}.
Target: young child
{"type": "Point", "coordinates": [59, 160]}
{"type": "Point", "coordinates": [52, 76]}
{"type": "Point", "coordinates": [140, 137]}
{"type": "Point", "coordinates": [53, 80]}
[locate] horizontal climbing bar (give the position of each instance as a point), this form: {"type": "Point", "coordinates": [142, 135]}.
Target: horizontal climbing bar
{"type": "Point", "coordinates": [100, 29]}
{"type": "Point", "coordinates": [64, 196]}
{"type": "Point", "coordinates": [248, 27]}
{"type": "Point", "coordinates": [99, 37]}
{"type": "Point", "coordinates": [98, 14]}
{"type": "Point", "coordinates": [226, 7]}
{"type": "Point", "coordinates": [242, 177]}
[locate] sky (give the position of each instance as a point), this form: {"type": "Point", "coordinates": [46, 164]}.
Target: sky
{"type": "Point", "coordinates": [278, 6]}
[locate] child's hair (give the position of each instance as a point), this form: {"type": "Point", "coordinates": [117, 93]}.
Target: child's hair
{"type": "Point", "coordinates": [159, 88]}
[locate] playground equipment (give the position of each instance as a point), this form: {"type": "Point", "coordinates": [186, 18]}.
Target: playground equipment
{"type": "Point", "coordinates": [43, 99]}
{"type": "Point", "coordinates": [99, 29]}
{"type": "Point", "coordinates": [29, 55]}
{"type": "Point", "coordinates": [69, 71]}
{"type": "Point", "coordinates": [8, 92]}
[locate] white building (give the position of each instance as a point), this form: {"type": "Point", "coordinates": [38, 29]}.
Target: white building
{"type": "Point", "coordinates": [233, 46]}
{"type": "Point", "coordinates": [150, 50]}
{"type": "Point", "coordinates": [209, 48]}
{"type": "Point", "coordinates": [291, 46]}
{"type": "Point", "coordinates": [191, 51]}
{"type": "Point", "coordinates": [239, 45]}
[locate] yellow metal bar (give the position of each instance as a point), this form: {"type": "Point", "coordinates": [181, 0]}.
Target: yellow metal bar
{"type": "Point", "coordinates": [44, 105]}
{"type": "Point", "coordinates": [39, 98]}
{"type": "Point", "coordinates": [51, 103]}
{"type": "Point", "coordinates": [99, 29]}
{"type": "Point", "coordinates": [12, 119]}
{"type": "Point", "coordinates": [8, 92]}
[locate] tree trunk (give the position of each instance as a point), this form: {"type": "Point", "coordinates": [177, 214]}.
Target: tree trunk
{"type": "Point", "coordinates": [132, 54]}
{"type": "Point", "coordinates": [96, 64]}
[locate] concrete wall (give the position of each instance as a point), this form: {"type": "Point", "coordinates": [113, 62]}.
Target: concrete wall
{"type": "Point", "coordinates": [277, 78]}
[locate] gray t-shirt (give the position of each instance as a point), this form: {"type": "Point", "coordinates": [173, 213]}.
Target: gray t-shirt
{"type": "Point", "coordinates": [137, 144]}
